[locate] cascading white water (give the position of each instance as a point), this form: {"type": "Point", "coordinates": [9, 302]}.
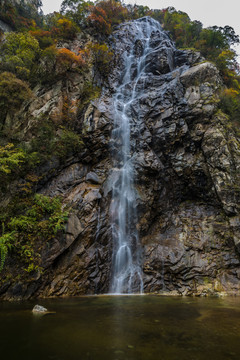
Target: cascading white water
{"type": "Point", "coordinates": [127, 272]}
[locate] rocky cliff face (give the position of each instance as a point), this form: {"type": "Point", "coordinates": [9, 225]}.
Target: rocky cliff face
{"type": "Point", "coordinates": [186, 163]}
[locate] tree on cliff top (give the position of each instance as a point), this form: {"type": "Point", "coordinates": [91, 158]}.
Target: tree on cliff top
{"type": "Point", "coordinates": [18, 54]}
{"type": "Point", "coordinates": [21, 15]}
{"type": "Point", "coordinates": [76, 10]}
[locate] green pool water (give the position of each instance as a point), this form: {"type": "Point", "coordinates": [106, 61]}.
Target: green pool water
{"type": "Point", "coordinates": [122, 327]}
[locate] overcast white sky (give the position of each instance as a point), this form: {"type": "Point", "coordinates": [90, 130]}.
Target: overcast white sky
{"type": "Point", "coordinates": [209, 12]}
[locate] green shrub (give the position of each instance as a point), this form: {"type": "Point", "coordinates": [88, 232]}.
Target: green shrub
{"type": "Point", "coordinates": [39, 220]}
{"type": "Point", "coordinates": [76, 10]}
{"type": "Point", "coordinates": [13, 92]}
{"type": "Point", "coordinates": [44, 38]}
{"type": "Point", "coordinates": [6, 243]}
{"type": "Point", "coordinates": [65, 29]}
{"type": "Point", "coordinates": [18, 54]}
{"type": "Point", "coordinates": [89, 93]}
{"type": "Point", "coordinates": [230, 104]}
{"type": "Point", "coordinates": [68, 143]}
{"type": "Point", "coordinates": [101, 58]}
{"type": "Point", "coordinates": [42, 143]}
{"type": "Point", "coordinates": [11, 158]}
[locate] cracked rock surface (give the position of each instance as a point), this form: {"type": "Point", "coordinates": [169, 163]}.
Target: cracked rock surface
{"type": "Point", "coordinates": [187, 163]}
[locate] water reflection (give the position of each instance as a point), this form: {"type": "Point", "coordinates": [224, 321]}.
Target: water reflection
{"type": "Point", "coordinates": [122, 327]}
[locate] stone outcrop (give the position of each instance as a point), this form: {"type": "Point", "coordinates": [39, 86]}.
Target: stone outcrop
{"type": "Point", "coordinates": [187, 177]}
{"type": "Point", "coordinates": [5, 27]}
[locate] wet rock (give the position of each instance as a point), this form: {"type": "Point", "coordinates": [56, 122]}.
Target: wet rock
{"type": "Point", "coordinates": [158, 63]}
{"type": "Point", "coordinates": [187, 57]}
{"type": "Point", "coordinates": [200, 73]}
{"type": "Point", "coordinates": [186, 172]}
{"type": "Point", "coordinates": [39, 309]}
{"type": "Point", "coordinates": [92, 178]}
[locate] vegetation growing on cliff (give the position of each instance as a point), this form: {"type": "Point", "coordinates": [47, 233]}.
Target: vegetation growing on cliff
{"type": "Point", "coordinates": [100, 18]}
{"type": "Point", "coordinates": [41, 53]}
{"type": "Point", "coordinates": [214, 43]}
{"type": "Point", "coordinates": [10, 158]}
{"type": "Point", "coordinates": [27, 223]}
{"type": "Point", "coordinates": [19, 53]}
{"type": "Point", "coordinates": [21, 16]}
{"type": "Point", "coordinates": [13, 92]}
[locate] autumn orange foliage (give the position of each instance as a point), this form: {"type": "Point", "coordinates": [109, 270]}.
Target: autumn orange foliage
{"type": "Point", "coordinates": [116, 13]}
{"type": "Point", "coordinates": [98, 19]}
{"type": "Point", "coordinates": [64, 29]}
{"type": "Point", "coordinates": [44, 38]}
{"type": "Point", "coordinates": [67, 59]}
{"type": "Point", "coordinates": [105, 14]}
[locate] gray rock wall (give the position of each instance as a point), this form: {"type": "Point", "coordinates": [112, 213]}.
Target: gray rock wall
{"type": "Point", "coordinates": [187, 178]}
{"type": "Point", "coordinates": [5, 27]}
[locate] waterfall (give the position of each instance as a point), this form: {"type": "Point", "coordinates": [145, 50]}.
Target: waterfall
{"type": "Point", "coordinates": [127, 254]}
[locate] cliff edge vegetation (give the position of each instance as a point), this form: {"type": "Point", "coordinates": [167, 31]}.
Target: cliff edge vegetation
{"type": "Point", "coordinates": [58, 73]}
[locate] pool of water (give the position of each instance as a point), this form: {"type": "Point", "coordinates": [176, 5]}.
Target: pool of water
{"type": "Point", "coordinates": [122, 327]}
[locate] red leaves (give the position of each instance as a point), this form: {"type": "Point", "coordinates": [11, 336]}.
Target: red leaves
{"type": "Point", "coordinates": [67, 59]}
{"type": "Point", "coordinates": [98, 18]}
{"type": "Point", "coordinates": [106, 14]}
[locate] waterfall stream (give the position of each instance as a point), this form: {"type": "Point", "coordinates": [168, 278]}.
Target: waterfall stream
{"type": "Point", "coordinates": [127, 254]}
